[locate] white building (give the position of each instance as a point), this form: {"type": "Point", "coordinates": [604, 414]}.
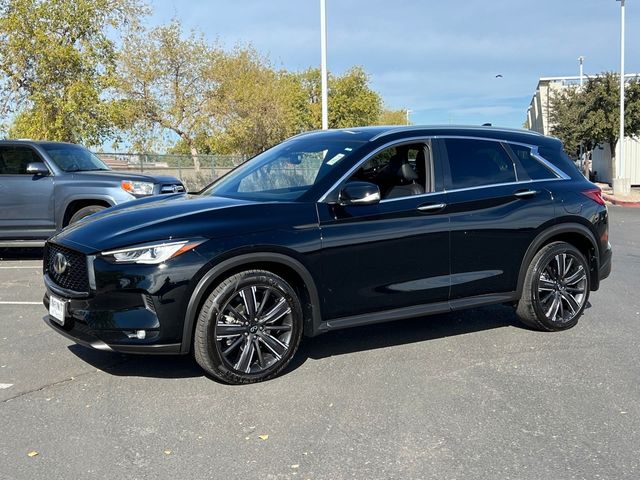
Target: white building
{"type": "Point", "coordinates": [538, 120]}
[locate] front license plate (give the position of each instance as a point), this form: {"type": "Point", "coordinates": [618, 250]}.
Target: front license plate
{"type": "Point", "coordinates": [57, 309]}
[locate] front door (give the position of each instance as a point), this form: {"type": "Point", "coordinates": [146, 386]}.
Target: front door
{"type": "Point", "coordinates": [392, 254]}
{"type": "Point", "coordinates": [26, 201]}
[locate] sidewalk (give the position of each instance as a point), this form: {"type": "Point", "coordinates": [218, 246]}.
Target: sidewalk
{"type": "Point", "coordinates": [632, 200]}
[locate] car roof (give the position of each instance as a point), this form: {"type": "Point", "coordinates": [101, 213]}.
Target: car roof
{"type": "Point", "coordinates": [26, 141]}
{"type": "Point", "coordinates": [376, 132]}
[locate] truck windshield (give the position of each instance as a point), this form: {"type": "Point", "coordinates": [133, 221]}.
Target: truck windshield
{"type": "Point", "coordinates": [286, 171]}
{"type": "Point", "coordinates": [74, 158]}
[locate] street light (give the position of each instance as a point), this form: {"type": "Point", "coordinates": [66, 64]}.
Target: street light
{"type": "Point", "coordinates": [408, 119]}
{"type": "Point", "coordinates": [323, 61]}
{"type": "Point", "coordinates": [581, 60]}
{"type": "Point", "coordinates": [621, 184]}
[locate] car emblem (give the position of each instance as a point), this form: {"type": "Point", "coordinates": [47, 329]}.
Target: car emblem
{"type": "Point", "coordinates": [176, 189]}
{"type": "Point", "coordinates": [60, 263]}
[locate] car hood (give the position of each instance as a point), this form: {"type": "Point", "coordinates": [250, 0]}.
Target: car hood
{"type": "Point", "coordinates": [181, 216]}
{"type": "Point", "coordinates": [110, 174]}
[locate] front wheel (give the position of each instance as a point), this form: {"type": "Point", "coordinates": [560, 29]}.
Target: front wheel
{"type": "Point", "coordinates": [249, 328]}
{"type": "Point", "coordinates": [556, 288]}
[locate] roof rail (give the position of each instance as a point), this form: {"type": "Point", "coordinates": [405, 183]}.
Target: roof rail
{"type": "Point", "coordinates": [413, 128]}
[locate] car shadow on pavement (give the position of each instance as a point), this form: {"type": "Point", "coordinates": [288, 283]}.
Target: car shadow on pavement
{"type": "Point", "coordinates": [404, 332]}
{"type": "Point", "coordinates": [339, 342]}
{"type": "Point", "coordinates": [21, 253]}
{"type": "Point", "coordinates": [123, 365]}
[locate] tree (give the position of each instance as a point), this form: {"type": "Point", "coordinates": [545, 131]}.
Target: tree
{"type": "Point", "coordinates": [392, 117]}
{"type": "Point", "coordinates": [165, 80]}
{"type": "Point", "coordinates": [591, 115]}
{"type": "Point", "coordinates": [254, 106]}
{"type": "Point", "coordinates": [56, 62]}
{"type": "Point", "coordinates": [351, 101]}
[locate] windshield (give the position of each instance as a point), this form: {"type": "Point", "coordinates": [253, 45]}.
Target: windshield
{"type": "Point", "coordinates": [74, 158]}
{"type": "Point", "coordinates": [286, 171]}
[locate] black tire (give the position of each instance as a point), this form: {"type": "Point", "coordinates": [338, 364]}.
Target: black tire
{"type": "Point", "coordinates": [240, 320]}
{"type": "Point", "coordinates": [85, 212]}
{"type": "Point", "coordinates": [553, 299]}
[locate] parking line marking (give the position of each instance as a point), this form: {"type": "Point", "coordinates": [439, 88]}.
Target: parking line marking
{"type": "Point", "coordinates": [22, 266]}
{"type": "Point", "coordinates": [20, 303]}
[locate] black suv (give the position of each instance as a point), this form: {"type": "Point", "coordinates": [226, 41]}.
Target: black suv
{"type": "Point", "coordinates": [330, 230]}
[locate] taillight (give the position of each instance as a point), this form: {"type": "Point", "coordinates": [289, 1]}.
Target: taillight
{"type": "Point", "coordinates": [595, 195]}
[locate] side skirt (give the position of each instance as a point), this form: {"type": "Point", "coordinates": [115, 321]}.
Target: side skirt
{"type": "Point", "coordinates": [416, 311]}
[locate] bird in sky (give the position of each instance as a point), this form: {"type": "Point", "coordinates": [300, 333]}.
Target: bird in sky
{"type": "Point", "coordinates": [499, 75]}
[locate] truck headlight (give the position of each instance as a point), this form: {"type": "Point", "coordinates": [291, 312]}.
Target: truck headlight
{"type": "Point", "coordinates": [152, 253]}
{"type": "Point", "coordinates": [137, 188]}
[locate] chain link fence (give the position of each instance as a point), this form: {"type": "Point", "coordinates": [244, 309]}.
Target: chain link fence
{"type": "Point", "coordinates": [194, 173]}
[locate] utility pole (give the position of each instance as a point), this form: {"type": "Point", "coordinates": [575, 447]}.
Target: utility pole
{"type": "Point", "coordinates": [323, 61]}
{"type": "Point", "coordinates": [408, 120]}
{"type": "Point", "coordinates": [621, 185]}
{"type": "Point", "coordinates": [582, 162]}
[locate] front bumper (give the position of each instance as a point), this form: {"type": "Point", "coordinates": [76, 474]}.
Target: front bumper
{"type": "Point", "coordinates": [128, 308]}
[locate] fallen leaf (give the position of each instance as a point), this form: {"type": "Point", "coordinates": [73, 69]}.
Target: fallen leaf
{"type": "Point", "coordinates": [167, 452]}
{"type": "Point", "coordinates": [32, 454]}
{"type": "Point", "coordinates": [263, 437]}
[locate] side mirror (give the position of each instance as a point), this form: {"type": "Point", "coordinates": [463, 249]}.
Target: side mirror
{"type": "Point", "coordinates": [359, 193]}
{"type": "Point", "coordinates": [37, 168]}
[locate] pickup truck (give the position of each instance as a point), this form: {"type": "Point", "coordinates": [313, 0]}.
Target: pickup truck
{"type": "Point", "coordinates": [45, 186]}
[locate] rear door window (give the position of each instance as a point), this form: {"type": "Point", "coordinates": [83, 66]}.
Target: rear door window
{"type": "Point", "coordinates": [475, 162]}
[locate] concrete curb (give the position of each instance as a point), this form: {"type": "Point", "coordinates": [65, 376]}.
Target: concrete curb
{"type": "Point", "coordinates": [617, 201]}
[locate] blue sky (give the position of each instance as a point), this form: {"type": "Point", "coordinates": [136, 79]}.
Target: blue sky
{"type": "Point", "coordinates": [437, 58]}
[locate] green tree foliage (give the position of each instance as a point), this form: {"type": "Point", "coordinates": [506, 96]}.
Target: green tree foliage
{"type": "Point", "coordinates": [56, 63]}
{"type": "Point", "coordinates": [351, 101]}
{"type": "Point", "coordinates": [165, 80]}
{"type": "Point", "coordinates": [392, 117]}
{"type": "Point", "coordinates": [591, 115]}
{"type": "Point", "coordinates": [254, 105]}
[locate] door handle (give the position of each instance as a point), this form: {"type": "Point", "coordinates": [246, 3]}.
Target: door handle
{"type": "Point", "coordinates": [525, 193]}
{"type": "Point", "coordinates": [434, 207]}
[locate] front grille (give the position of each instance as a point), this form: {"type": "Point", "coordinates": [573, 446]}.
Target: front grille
{"type": "Point", "coordinates": [75, 277]}
{"type": "Point", "coordinates": [172, 188]}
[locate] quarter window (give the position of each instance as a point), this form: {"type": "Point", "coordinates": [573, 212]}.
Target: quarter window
{"type": "Point", "coordinates": [475, 163]}
{"type": "Point", "coordinates": [528, 165]}
{"type": "Point", "coordinates": [14, 160]}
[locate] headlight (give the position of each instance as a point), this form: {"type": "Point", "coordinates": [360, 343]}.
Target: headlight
{"type": "Point", "coordinates": [137, 188]}
{"type": "Point", "coordinates": [152, 253]}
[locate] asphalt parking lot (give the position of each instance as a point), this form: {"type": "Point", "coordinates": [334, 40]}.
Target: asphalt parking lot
{"type": "Point", "coordinates": [466, 395]}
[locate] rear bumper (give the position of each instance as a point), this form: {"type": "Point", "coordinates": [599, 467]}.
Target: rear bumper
{"type": "Point", "coordinates": [605, 264]}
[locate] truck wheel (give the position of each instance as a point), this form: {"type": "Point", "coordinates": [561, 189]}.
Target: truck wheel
{"type": "Point", "coordinates": [85, 212]}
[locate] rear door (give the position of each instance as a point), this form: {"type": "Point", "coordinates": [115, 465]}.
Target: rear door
{"type": "Point", "coordinates": [26, 201]}
{"type": "Point", "coordinates": [495, 210]}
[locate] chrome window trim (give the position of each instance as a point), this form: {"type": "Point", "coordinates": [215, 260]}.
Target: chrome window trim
{"type": "Point", "coordinates": [560, 175]}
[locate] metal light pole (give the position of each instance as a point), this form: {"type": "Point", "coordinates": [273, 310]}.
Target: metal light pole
{"type": "Point", "coordinates": [408, 120]}
{"type": "Point", "coordinates": [581, 60]}
{"type": "Point", "coordinates": [323, 60]}
{"type": "Point", "coordinates": [621, 184]}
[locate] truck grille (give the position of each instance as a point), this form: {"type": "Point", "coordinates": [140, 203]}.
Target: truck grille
{"type": "Point", "coordinates": [172, 188]}
{"type": "Point", "coordinates": [75, 276]}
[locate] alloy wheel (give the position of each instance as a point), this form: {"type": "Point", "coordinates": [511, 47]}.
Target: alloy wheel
{"type": "Point", "coordinates": [253, 328]}
{"type": "Point", "coordinates": [562, 287]}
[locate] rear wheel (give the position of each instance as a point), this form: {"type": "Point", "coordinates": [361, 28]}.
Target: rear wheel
{"type": "Point", "coordinates": [85, 212]}
{"type": "Point", "coordinates": [248, 328]}
{"type": "Point", "coordinates": [556, 288]}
